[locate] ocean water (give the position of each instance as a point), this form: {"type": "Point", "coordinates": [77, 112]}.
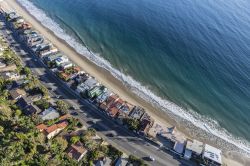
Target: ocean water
{"type": "Point", "coordinates": [191, 58]}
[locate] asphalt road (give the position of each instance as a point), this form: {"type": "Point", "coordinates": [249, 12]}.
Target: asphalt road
{"type": "Point", "coordinates": [91, 116]}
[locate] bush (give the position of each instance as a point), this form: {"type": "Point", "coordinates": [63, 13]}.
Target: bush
{"type": "Point", "coordinates": [136, 161]}
{"type": "Point", "coordinates": [113, 153]}
{"type": "Point", "coordinates": [74, 139]}
{"type": "Point", "coordinates": [42, 104]}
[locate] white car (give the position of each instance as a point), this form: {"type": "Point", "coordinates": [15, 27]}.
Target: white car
{"type": "Point", "coordinates": [151, 158]}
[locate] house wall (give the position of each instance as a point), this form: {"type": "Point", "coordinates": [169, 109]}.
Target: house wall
{"type": "Point", "coordinates": [54, 133]}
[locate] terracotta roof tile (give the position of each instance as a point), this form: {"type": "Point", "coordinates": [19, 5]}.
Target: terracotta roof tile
{"type": "Point", "coordinates": [41, 127]}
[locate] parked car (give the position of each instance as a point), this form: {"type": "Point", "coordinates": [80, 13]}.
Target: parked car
{"type": "Point", "coordinates": [74, 113]}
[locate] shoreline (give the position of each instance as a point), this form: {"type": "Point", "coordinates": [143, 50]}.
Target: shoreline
{"type": "Point", "coordinates": [102, 75]}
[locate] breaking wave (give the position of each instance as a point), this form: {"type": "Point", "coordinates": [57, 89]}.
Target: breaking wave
{"type": "Point", "coordinates": [197, 122]}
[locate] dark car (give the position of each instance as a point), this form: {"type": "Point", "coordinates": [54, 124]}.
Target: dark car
{"type": "Point", "coordinates": [74, 113]}
{"type": "Point", "coordinates": [110, 135]}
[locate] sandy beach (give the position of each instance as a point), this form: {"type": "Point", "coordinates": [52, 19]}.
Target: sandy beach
{"type": "Point", "coordinates": [107, 79]}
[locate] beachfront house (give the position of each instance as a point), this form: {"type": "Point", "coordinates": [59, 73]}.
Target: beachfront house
{"type": "Point", "coordinates": [35, 41]}
{"type": "Point", "coordinates": [88, 84]}
{"type": "Point", "coordinates": [49, 114]}
{"type": "Point", "coordinates": [69, 73]}
{"type": "Point", "coordinates": [96, 91]}
{"type": "Point", "coordinates": [137, 113]}
{"type": "Point", "coordinates": [103, 97]}
{"type": "Point", "coordinates": [126, 109]}
{"type": "Point", "coordinates": [60, 60]}
{"type": "Point", "coordinates": [108, 102]}
{"type": "Point", "coordinates": [44, 49]}
{"type": "Point", "coordinates": [11, 16]}
{"type": "Point", "coordinates": [211, 156]}
{"type": "Point", "coordinates": [50, 59]}
{"type": "Point", "coordinates": [193, 149]}
{"type": "Point", "coordinates": [146, 122]}
{"type": "Point", "coordinates": [65, 65]}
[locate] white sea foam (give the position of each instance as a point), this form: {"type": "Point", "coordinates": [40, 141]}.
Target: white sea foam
{"type": "Point", "coordinates": [173, 110]}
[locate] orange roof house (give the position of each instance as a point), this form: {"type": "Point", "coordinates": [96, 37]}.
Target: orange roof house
{"type": "Point", "coordinates": [53, 130]}
{"type": "Point", "coordinates": [113, 111]}
{"type": "Point", "coordinates": [111, 99]}
{"type": "Point", "coordinates": [41, 127]}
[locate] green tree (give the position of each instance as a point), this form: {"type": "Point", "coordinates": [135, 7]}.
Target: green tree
{"type": "Point", "coordinates": [133, 124]}
{"type": "Point", "coordinates": [44, 91]}
{"type": "Point", "coordinates": [96, 154]}
{"type": "Point", "coordinates": [26, 71]}
{"type": "Point", "coordinates": [42, 104]}
{"type": "Point", "coordinates": [2, 130]}
{"type": "Point", "coordinates": [136, 161]}
{"type": "Point", "coordinates": [91, 132]}
{"type": "Point", "coordinates": [62, 142]}
{"type": "Point", "coordinates": [33, 82]}
{"type": "Point", "coordinates": [114, 153]}
{"type": "Point", "coordinates": [62, 106]}
{"type": "Point", "coordinates": [18, 113]}
{"type": "Point", "coordinates": [74, 139]}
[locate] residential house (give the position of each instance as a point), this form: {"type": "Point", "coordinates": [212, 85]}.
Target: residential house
{"type": "Point", "coordinates": [10, 75]}
{"type": "Point", "coordinates": [118, 103]}
{"type": "Point", "coordinates": [193, 149]}
{"type": "Point", "coordinates": [17, 93]}
{"type": "Point", "coordinates": [88, 84]}
{"type": "Point", "coordinates": [121, 161]}
{"type": "Point", "coordinates": [103, 162]}
{"type": "Point", "coordinates": [69, 73]}
{"type": "Point", "coordinates": [35, 41]}
{"type": "Point", "coordinates": [76, 151]}
{"type": "Point", "coordinates": [53, 130]}
{"type": "Point", "coordinates": [82, 77]}
{"type": "Point", "coordinates": [17, 83]}
{"type": "Point", "coordinates": [103, 97]}
{"type": "Point", "coordinates": [52, 57]}
{"type": "Point", "coordinates": [113, 111]}
{"type": "Point", "coordinates": [107, 103]}
{"type": "Point", "coordinates": [49, 114]}
{"type": "Point", "coordinates": [171, 136]}
{"type": "Point", "coordinates": [96, 91]}
{"type": "Point", "coordinates": [114, 106]}
{"type": "Point", "coordinates": [31, 110]}
{"type": "Point", "coordinates": [146, 123]}
{"type": "Point", "coordinates": [179, 146]}
{"type": "Point", "coordinates": [8, 68]}
{"type": "Point", "coordinates": [126, 109]}
{"type": "Point", "coordinates": [60, 60]}
{"type": "Point", "coordinates": [137, 113]}
{"type": "Point", "coordinates": [46, 49]}
{"type": "Point", "coordinates": [211, 156]}
{"type": "Point", "coordinates": [23, 103]}
{"type": "Point", "coordinates": [65, 65]}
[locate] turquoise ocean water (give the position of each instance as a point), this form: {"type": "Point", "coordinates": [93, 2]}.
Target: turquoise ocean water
{"type": "Point", "coordinates": [195, 54]}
